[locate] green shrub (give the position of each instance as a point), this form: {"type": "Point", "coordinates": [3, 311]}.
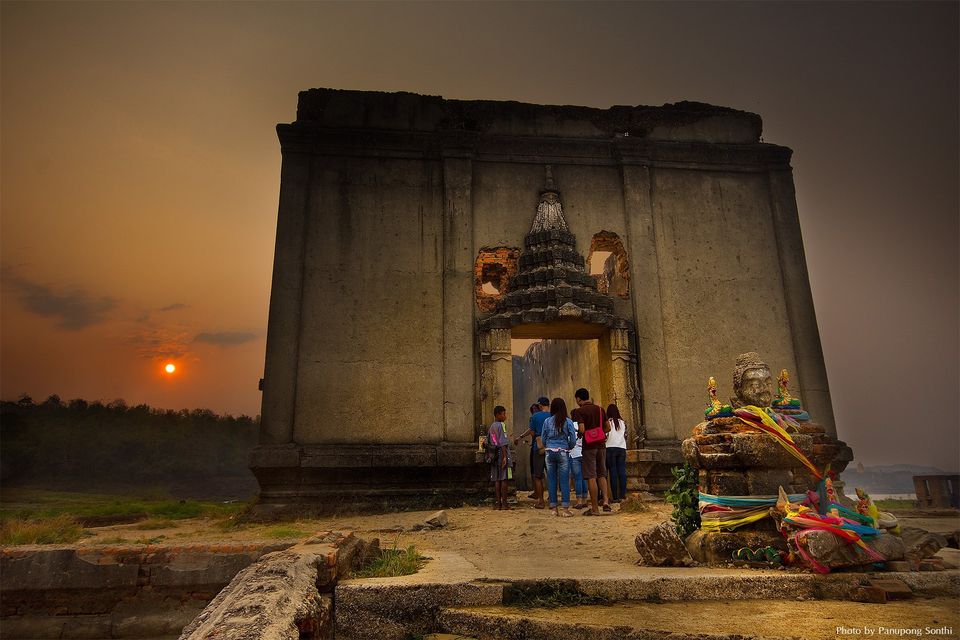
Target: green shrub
{"type": "Point", "coordinates": [685, 500]}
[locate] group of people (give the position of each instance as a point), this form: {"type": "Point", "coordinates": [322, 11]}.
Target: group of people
{"type": "Point", "coordinates": [582, 448]}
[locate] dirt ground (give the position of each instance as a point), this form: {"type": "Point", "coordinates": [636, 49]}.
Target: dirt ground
{"type": "Point", "coordinates": [820, 619]}
{"type": "Point", "coordinates": [471, 531]}
{"type": "Point", "coordinates": [494, 544]}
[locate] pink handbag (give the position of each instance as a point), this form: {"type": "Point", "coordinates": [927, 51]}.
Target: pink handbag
{"type": "Point", "coordinates": [595, 435]}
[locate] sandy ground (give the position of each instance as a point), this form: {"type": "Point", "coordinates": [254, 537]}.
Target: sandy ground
{"type": "Point", "coordinates": [479, 542]}
{"type": "Point", "coordinates": [495, 544]}
{"type": "Point", "coordinates": [471, 532]}
{"type": "Point", "coordinates": [935, 617]}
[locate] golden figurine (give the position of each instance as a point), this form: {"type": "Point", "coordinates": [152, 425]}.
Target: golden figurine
{"type": "Point", "coordinates": [716, 409]}
{"type": "Point", "coordinates": [715, 404]}
{"type": "Point", "coordinates": [782, 381]}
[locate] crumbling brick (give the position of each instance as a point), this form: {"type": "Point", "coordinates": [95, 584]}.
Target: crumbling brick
{"type": "Point", "coordinates": [496, 266]}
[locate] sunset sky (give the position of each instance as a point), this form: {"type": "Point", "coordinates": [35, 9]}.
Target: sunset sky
{"type": "Point", "coordinates": [139, 173]}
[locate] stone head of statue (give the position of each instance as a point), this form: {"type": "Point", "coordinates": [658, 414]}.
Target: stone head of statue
{"type": "Point", "coordinates": [752, 381]}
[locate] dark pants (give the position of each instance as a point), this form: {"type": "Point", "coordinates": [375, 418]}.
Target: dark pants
{"type": "Point", "coordinates": [617, 464]}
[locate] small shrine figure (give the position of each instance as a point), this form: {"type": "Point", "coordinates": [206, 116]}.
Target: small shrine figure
{"type": "Point", "coordinates": [784, 402]}
{"type": "Point", "coordinates": [783, 380]}
{"type": "Point", "coordinates": [716, 409]}
{"type": "Point", "coordinates": [866, 507]}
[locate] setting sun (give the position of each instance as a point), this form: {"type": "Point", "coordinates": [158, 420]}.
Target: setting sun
{"type": "Point", "coordinates": [170, 367]}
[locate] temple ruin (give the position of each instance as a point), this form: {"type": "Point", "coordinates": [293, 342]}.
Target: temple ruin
{"type": "Point", "coordinates": [418, 236]}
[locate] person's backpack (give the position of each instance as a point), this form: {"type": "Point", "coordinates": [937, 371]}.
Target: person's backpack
{"type": "Point", "coordinates": [491, 450]}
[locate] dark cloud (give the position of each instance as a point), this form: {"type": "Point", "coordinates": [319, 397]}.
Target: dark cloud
{"type": "Point", "coordinates": [73, 308]}
{"type": "Point", "coordinates": [161, 344]}
{"type": "Point", "coordinates": [225, 338]}
{"type": "Point", "coordinates": [176, 306]}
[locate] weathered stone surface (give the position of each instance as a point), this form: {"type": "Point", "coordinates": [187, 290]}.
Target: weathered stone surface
{"type": "Point", "coordinates": [831, 551]}
{"type": "Point", "coordinates": [660, 546]}
{"type": "Point", "coordinates": [50, 569]}
{"type": "Point", "coordinates": [437, 520]}
{"type": "Point", "coordinates": [273, 599]}
{"type": "Point", "coordinates": [724, 483]}
{"type": "Point", "coordinates": [920, 544]}
{"type": "Point", "coordinates": [716, 547]}
{"type": "Point", "coordinates": [893, 589]}
{"type": "Point", "coordinates": [874, 595]}
{"type": "Point", "coordinates": [932, 564]}
{"type": "Point", "coordinates": [727, 443]}
{"type": "Point", "coordinates": [285, 595]}
{"type": "Point", "coordinates": [430, 183]}
{"type": "Point", "coordinates": [898, 566]}
{"type": "Point", "coordinates": [135, 590]}
{"type": "Point", "coordinates": [398, 608]}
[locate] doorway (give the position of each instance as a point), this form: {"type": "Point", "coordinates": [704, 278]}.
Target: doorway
{"type": "Point", "coordinates": [551, 368]}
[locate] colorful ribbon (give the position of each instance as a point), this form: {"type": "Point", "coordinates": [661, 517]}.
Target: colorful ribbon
{"type": "Point", "coordinates": [776, 427]}
{"type": "Point", "coordinates": [846, 529]}
{"type": "Point", "coordinates": [726, 513]}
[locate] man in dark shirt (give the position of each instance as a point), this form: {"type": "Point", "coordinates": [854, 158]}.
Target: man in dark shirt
{"type": "Point", "coordinates": [589, 416]}
{"type": "Point", "coordinates": [536, 457]}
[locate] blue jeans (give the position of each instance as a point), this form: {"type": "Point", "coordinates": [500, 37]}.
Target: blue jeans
{"type": "Point", "coordinates": [579, 484]}
{"type": "Point", "coordinates": [617, 466]}
{"type": "Point", "coordinates": [558, 470]}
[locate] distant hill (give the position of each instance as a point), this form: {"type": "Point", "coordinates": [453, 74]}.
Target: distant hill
{"type": "Point", "coordinates": [881, 479]}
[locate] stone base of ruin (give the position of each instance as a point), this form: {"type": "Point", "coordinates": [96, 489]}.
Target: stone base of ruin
{"type": "Point", "coordinates": [640, 462]}
{"type": "Point", "coordinates": [659, 477]}
{"type": "Point", "coordinates": [323, 479]}
{"type": "Point", "coordinates": [717, 547]}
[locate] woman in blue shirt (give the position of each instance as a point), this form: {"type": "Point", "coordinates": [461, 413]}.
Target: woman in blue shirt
{"type": "Point", "coordinates": [557, 442]}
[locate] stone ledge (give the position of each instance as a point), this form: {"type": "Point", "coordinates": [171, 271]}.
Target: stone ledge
{"type": "Point", "coordinates": [283, 596]}
{"type": "Point", "coordinates": [117, 566]}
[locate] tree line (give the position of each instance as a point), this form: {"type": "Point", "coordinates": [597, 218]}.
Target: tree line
{"type": "Point", "coordinates": [109, 446]}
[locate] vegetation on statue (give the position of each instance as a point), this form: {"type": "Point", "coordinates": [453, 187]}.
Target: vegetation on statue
{"type": "Point", "coordinates": [684, 498]}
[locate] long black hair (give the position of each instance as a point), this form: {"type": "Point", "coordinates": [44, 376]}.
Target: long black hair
{"type": "Point", "coordinates": [613, 413]}
{"type": "Point", "coordinates": [558, 409]}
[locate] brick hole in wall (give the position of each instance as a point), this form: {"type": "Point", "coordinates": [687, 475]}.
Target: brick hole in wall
{"type": "Point", "coordinates": [609, 264]}
{"type": "Point", "coordinates": [493, 271]}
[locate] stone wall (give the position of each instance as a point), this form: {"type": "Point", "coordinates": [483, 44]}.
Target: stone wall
{"type": "Point", "coordinates": [386, 201]}
{"type": "Point", "coordinates": [122, 591]}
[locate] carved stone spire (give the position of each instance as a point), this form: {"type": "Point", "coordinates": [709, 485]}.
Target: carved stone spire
{"type": "Point", "coordinates": [550, 211]}
{"type": "Point", "coordinates": [552, 281]}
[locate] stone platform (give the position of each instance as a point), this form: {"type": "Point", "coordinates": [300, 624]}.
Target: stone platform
{"type": "Point", "coordinates": [316, 480]}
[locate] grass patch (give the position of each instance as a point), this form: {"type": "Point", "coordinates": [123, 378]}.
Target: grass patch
{"type": "Point", "coordinates": [37, 504]}
{"type": "Point", "coordinates": [58, 530]}
{"type": "Point", "coordinates": [153, 540]}
{"type": "Point", "coordinates": [285, 531]}
{"type": "Point", "coordinates": [112, 540]}
{"type": "Point", "coordinates": [391, 563]}
{"type": "Point", "coordinates": [888, 504]}
{"type": "Point", "coordinates": [550, 595]}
